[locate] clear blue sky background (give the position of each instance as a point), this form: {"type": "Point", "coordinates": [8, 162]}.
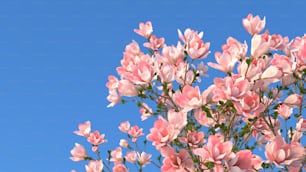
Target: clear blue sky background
{"type": "Point", "coordinates": [55, 56]}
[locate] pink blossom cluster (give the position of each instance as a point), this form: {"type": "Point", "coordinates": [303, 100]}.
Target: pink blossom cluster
{"type": "Point", "coordinates": [79, 152]}
{"type": "Point", "coordinates": [222, 127]}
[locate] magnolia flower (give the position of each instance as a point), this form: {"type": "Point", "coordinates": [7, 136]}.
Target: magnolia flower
{"type": "Point", "coordinates": [225, 62]}
{"type": "Point", "coordinates": [180, 162]}
{"type": "Point", "coordinates": [84, 129]}
{"type": "Point", "coordinates": [96, 139]}
{"type": "Point", "coordinates": [279, 152]}
{"type": "Point", "coordinates": [294, 100]}
{"type": "Point", "coordinates": [214, 151]}
{"type": "Point", "coordinates": [145, 111]}
{"type": "Point", "coordinates": [116, 155]}
{"type": "Point", "coordinates": [155, 43]}
{"type": "Point", "coordinates": [78, 153]}
{"type": "Point", "coordinates": [124, 143]}
{"type": "Point", "coordinates": [124, 126]}
{"type": "Point", "coordinates": [94, 166]}
{"type": "Point", "coordinates": [189, 98]}
{"type": "Point", "coordinates": [284, 111]}
{"type": "Point", "coordinates": [253, 24]}
{"type": "Point", "coordinates": [145, 29]}
{"type": "Point", "coordinates": [162, 133]}
{"type": "Point", "coordinates": [120, 168]}
{"type": "Point", "coordinates": [127, 88]}
{"type": "Point", "coordinates": [131, 156]}
{"type": "Point", "coordinates": [143, 158]}
{"type": "Point", "coordinates": [135, 132]}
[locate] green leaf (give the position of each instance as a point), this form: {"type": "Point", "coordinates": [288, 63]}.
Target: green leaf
{"type": "Point", "coordinates": [88, 158]}
{"type": "Point", "coordinates": [270, 94]}
{"type": "Point", "coordinates": [139, 104]}
{"type": "Point", "coordinates": [235, 148]}
{"type": "Point", "coordinates": [248, 61]}
{"type": "Point", "coordinates": [297, 115]}
{"type": "Point", "coordinates": [209, 165]}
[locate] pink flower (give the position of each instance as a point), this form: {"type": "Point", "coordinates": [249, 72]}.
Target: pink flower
{"type": "Point", "coordinates": [183, 75]}
{"type": "Point", "coordinates": [113, 97]}
{"type": "Point", "coordinates": [116, 155]}
{"type": "Point", "coordinates": [189, 35]}
{"type": "Point", "coordinates": [155, 43]}
{"type": "Point", "coordinates": [142, 73]}
{"type": "Point", "coordinates": [202, 118]}
{"type": "Point", "coordinates": [260, 44]}
{"type": "Point", "coordinates": [124, 126]}
{"type": "Point", "coordinates": [126, 88]}
{"type": "Point", "coordinates": [257, 162]}
{"type": "Point", "coordinates": [298, 50]}
{"type": "Point", "coordinates": [216, 150]}
{"type": "Point", "coordinates": [94, 166]}
{"type": "Point", "coordinates": [299, 129]}
{"type": "Point", "coordinates": [162, 133]}
{"type": "Point", "coordinates": [78, 153]}
{"type": "Point", "coordinates": [197, 49]}
{"type": "Point", "coordinates": [172, 53]}
{"type": "Point", "coordinates": [284, 111]}
{"type": "Point", "coordinates": [287, 80]}
{"type": "Point", "coordinates": [145, 111]}
{"type": "Point", "coordinates": [244, 160]}
{"type": "Point", "coordinates": [296, 167]}
{"type": "Point", "coordinates": [145, 29]}
{"type": "Point", "coordinates": [84, 129]}
{"type": "Point", "coordinates": [124, 143]}
{"type": "Point", "coordinates": [167, 73]}
{"type": "Point", "coordinates": [236, 88]}
{"type": "Point", "coordinates": [295, 135]}
{"type": "Point", "coordinates": [202, 70]}
{"type": "Point", "coordinates": [213, 95]}
{"type": "Point", "coordinates": [132, 50]}
{"type": "Point", "coordinates": [96, 139]}
{"type": "Point", "coordinates": [177, 119]}
{"type": "Point", "coordinates": [301, 125]}
{"type": "Point", "coordinates": [185, 78]}
{"type": "Point", "coordinates": [143, 158]}
{"type": "Point", "coordinates": [112, 83]}
{"type": "Point", "coordinates": [132, 56]}
{"type": "Point", "coordinates": [283, 63]}
{"type": "Point", "coordinates": [253, 71]}
{"type": "Point", "coordinates": [278, 42]}
{"type": "Point", "coordinates": [261, 127]}
{"type": "Point", "coordinates": [272, 74]}
{"type": "Point", "coordinates": [120, 168]}
{"type": "Point", "coordinates": [135, 132]}
{"type": "Point", "coordinates": [294, 100]}
{"type": "Point", "coordinates": [177, 162]}
{"type": "Point", "coordinates": [253, 25]}
{"type": "Point", "coordinates": [131, 156]}
{"type": "Point", "coordinates": [279, 152]}
{"type": "Point", "coordinates": [249, 103]}
{"type": "Point", "coordinates": [235, 47]}
{"type": "Point", "coordinates": [189, 98]}
{"type": "Point", "coordinates": [193, 139]}
{"type": "Point", "coordinates": [301, 55]}
{"type": "Point", "coordinates": [225, 62]}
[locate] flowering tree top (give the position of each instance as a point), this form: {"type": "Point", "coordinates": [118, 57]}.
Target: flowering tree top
{"type": "Point", "coordinates": [257, 105]}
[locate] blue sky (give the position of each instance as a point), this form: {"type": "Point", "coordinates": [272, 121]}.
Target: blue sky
{"type": "Point", "coordinates": [55, 57]}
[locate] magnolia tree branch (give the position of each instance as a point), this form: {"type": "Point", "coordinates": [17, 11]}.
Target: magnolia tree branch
{"type": "Point", "coordinates": [250, 119]}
